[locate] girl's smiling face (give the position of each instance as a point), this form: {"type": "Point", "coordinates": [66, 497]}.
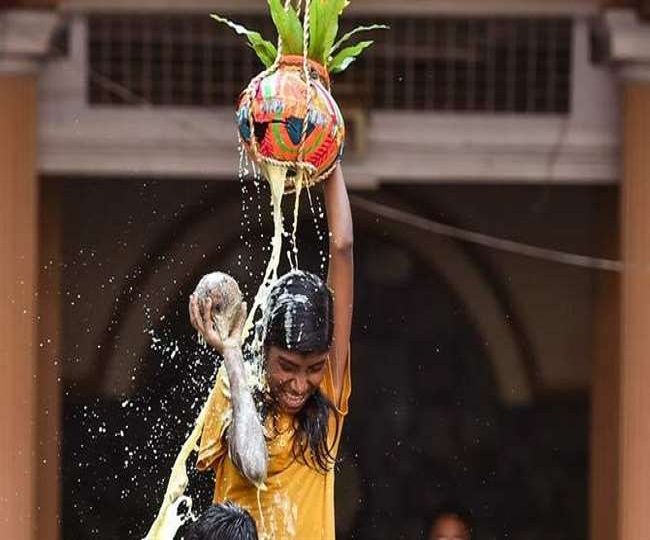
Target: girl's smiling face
{"type": "Point", "coordinates": [293, 376]}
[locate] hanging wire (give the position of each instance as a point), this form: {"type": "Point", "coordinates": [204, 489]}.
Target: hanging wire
{"type": "Point", "coordinates": [501, 244]}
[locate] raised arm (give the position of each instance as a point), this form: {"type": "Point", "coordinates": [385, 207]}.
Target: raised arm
{"type": "Point", "coordinates": [246, 443]}
{"type": "Point", "coordinates": [340, 276]}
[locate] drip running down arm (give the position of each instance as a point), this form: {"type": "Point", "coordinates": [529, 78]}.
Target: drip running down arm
{"type": "Point", "coordinates": [246, 442]}
{"type": "Point", "coordinates": [340, 272]}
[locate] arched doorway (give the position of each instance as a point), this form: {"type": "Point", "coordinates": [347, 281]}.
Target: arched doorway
{"type": "Point", "coordinates": [427, 419]}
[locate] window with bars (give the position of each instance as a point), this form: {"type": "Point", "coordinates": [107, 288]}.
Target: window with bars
{"type": "Point", "coordinates": [510, 65]}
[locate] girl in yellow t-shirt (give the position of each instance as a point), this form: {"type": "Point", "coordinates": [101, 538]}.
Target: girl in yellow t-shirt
{"type": "Point", "coordinates": [306, 334]}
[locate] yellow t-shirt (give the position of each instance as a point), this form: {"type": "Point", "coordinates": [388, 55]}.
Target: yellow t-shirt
{"type": "Point", "coordinates": [299, 501]}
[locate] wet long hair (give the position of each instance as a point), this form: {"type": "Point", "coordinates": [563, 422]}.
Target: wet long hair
{"type": "Point", "coordinates": [225, 521]}
{"type": "Point", "coordinates": [299, 318]}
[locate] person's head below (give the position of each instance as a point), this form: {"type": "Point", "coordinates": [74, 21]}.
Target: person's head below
{"type": "Point", "coordinates": [224, 521]}
{"type": "Point", "coordinates": [450, 522]}
{"type": "Point", "coordinates": [298, 332]}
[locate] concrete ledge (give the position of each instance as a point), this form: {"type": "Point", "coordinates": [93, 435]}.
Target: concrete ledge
{"type": "Point", "coordinates": [399, 147]}
{"type": "Point", "coordinates": [25, 40]}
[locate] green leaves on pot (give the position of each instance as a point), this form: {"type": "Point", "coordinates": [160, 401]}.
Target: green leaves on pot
{"type": "Point", "coordinates": [346, 56]}
{"type": "Point", "coordinates": [323, 27]}
{"type": "Point", "coordinates": [289, 27]}
{"type": "Point", "coordinates": [264, 49]}
{"type": "Point", "coordinates": [358, 29]}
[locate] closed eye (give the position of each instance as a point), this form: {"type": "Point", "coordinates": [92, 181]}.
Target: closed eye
{"type": "Point", "coordinates": [287, 366]}
{"type": "Point", "coordinates": [317, 367]}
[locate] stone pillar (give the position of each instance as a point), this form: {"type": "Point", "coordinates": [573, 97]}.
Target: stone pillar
{"type": "Point", "coordinates": [630, 51]}
{"type": "Point", "coordinates": [24, 41]}
{"type": "Point", "coordinates": [635, 368]}
{"type": "Point", "coordinates": [17, 305]}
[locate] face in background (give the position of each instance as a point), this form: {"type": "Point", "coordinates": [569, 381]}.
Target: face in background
{"type": "Point", "coordinates": [293, 376]}
{"type": "Point", "coordinates": [449, 527]}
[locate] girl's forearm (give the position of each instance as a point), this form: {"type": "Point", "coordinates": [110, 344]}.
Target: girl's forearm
{"type": "Point", "coordinates": [246, 435]}
{"type": "Point", "coordinates": [234, 363]}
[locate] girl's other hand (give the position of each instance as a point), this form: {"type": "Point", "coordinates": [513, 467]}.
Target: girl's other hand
{"type": "Point", "coordinates": [220, 333]}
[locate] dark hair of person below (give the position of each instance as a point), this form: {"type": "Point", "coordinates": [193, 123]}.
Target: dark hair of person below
{"type": "Point", "coordinates": [225, 521]}
{"type": "Point", "coordinates": [452, 508]}
{"type": "Point", "coordinates": [305, 300]}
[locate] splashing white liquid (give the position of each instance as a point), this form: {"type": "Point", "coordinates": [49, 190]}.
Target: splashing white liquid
{"type": "Point", "coordinates": [167, 521]}
{"type": "Point", "coordinates": [275, 175]}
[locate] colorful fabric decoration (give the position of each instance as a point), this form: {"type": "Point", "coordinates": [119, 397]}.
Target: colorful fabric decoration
{"type": "Point", "coordinates": [278, 108]}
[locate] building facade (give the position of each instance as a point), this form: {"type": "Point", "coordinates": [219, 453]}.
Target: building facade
{"type": "Point", "coordinates": [530, 105]}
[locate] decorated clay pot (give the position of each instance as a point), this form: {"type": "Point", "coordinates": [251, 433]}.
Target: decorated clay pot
{"type": "Point", "coordinates": [278, 106]}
